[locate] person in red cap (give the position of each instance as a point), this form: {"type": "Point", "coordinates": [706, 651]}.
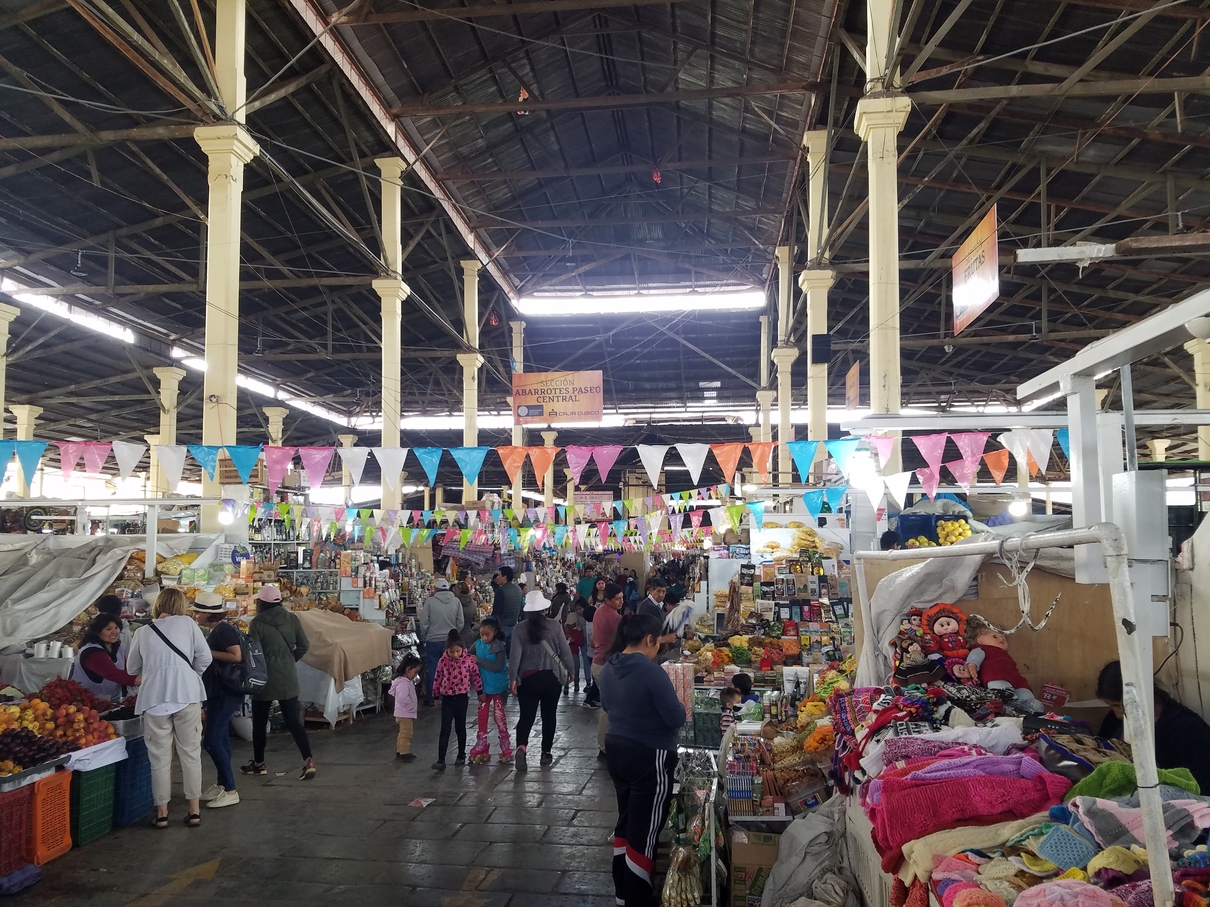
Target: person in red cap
{"type": "Point", "coordinates": [283, 641]}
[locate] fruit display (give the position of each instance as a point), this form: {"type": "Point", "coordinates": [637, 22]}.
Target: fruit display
{"type": "Point", "coordinates": [22, 748]}
{"type": "Point", "coordinates": [79, 725]}
{"type": "Point", "coordinates": [920, 541]}
{"type": "Point", "coordinates": [951, 532]}
{"type": "Point", "coordinates": [67, 692]}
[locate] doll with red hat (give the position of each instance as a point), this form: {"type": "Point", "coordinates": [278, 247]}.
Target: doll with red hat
{"type": "Point", "coordinates": [945, 630]}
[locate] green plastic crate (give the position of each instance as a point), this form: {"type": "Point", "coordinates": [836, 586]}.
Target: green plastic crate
{"type": "Point", "coordinates": [91, 804]}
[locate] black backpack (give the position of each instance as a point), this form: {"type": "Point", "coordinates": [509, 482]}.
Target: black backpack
{"type": "Point", "coordinates": [248, 675]}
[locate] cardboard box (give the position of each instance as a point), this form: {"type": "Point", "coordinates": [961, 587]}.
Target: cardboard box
{"type": "Point", "coordinates": [753, 854]}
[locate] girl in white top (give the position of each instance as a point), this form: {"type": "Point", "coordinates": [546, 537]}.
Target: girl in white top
{"type": "Point", "coordinates": [170, 655]}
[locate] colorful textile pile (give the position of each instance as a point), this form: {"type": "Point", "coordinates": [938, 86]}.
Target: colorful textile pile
{"type": "Point", "coordinates": [867, 715]}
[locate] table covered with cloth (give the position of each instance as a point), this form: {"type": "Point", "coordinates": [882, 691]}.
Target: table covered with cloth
{"type": "Point", "coordinates": [342, 648]}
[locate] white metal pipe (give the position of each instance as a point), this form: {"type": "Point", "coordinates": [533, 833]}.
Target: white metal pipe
{"type": "Point", "coordinates": [1137, 684]}
{"type": "Point", "coordinates": [153, 533]}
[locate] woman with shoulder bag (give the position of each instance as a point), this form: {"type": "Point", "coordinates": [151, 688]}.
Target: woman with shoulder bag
{"type": "Point", "coordinates": [222, 702]}
{"type": "Point", "coordinates": [170, 655]}
{"type": "Point", "coordinates": [284, 643]}
{"type": "Point", "coordinates": [539, 664]}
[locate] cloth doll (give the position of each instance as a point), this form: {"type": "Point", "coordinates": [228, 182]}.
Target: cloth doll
{"type": "Point", "coordinates": [946, 625]}
{"type": "Point", "coordinates": [911, 662]}
{"type": "Point", "coordinates": [989, 663]}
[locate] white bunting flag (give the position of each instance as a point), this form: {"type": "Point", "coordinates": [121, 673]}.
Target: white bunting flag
{"type": "Point", "coordinates": [652, 456]}
{"type": "Point", "coordinates": [390, 459]}
{"type": "Point", "coordinates": [694, 456]}
{"type": "Point", "coordinates": [897, 486]}
{"type": "Point", "coordinates": [128, 454]}
{"type": "Point", "coordinates": [354, 460]}
{"type": "Point", "coordinates": [172, 462]}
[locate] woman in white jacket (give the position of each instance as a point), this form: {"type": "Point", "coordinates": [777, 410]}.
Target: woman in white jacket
{"type": "Point", "coordinates": [170, 655]}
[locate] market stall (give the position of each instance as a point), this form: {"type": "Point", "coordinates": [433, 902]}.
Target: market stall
{"type": "Point", "coordinates": [340, 652]}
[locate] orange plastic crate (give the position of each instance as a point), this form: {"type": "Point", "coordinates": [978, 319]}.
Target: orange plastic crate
{"type": "Point", "coordinates": [50, 819]}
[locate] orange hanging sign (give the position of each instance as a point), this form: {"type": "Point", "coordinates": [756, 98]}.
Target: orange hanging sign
{"type": "Point", "coordinates": [554, 398]}
{"type": "Point", "coordinates": [976, 272]}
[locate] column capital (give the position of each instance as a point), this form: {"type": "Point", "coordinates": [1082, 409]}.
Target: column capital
{"type": "Point", "coordinates": [8, 313]}
{"type": "Point", "coordinates": [766, 397]}
{"type": "Point", "coordinates": [227, 138]}
{"type": "Point", "coordinates": [152, 440]}
{"type": "Point", "coordinates": [347, 440]}
{"type": "Point", "coordinates": [25, 411]}
{"type": "Point", "coordinates": [471, 266]}
{"type": "Point", "coordinates": [470, 361]}
{"type": "Point", "coordinates": [815, 140]}
{"type": "Point", "coordinates": [816, 279]}
{"type": "Point", "coordinates": [391, 168]}
{"type": "Point", "coordinates": [548, 438]}
{"type": "Point", "coordinates": [785, 355]}
{"type": "Point", "coordinates": [885, 111]}
{"type": "Point", "coordinates": [570, 473]}
{"type": "Point", "coordinates": [755, 432]}
{"type": "Point", "coordinates": [169, 374]}
{"type": "Point", "coordinates": [391, 289]}
{"type": "Point", "coordinates": [1197, 346]}
{"type": "Point", "coordinates": [277, 412]}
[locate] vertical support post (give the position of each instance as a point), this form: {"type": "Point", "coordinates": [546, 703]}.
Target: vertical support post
{"type": "Point", "coordinates": [392, 291]}
{"type": "Point", "coordinates": [346, 477]}
{"type": "Point", "coordinates": [784, 356]}
{"type": "Point", "coordinates": [518, 430]}
{"type": "Point", "coordinates": [816, 281]}
{"type": "Point", "coordinates": [170, 389]}
{"type": "Point", "coordinates": [1158, 448]}
{"type": "Point", "coordinates": [152, 540]}
{"type": "Point", "coordinates": [277, 424]}
{"type": "Point", "coordinates": [764, 396]}
{"type": "Point", "coordinates": [1080, 392]}
{"type": "Point", "coordinates": [548, 484]}
{"type": "Point", "coordinates": [27, 416]}
{"type": "Point", "coordinates": [7, 314]}
{"type": "Point", "coordinates": [1200, 350]}
{"type": "Point", "coordinates": [471, 362]}
{"type": "Point", "coordinates": [570, 495]}
{"type": "Point", "coordinates": [155, 475]}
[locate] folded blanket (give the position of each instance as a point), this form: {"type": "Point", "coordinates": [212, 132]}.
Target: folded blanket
{"type": "Point", "coordinates": [1111, 780]}
{"type": "Point", "coordinates": [1113, 823]}
{"type": "Point", "coordinates": [918, 855]}
{"type": "Point", "coordinates": [1021, 765]}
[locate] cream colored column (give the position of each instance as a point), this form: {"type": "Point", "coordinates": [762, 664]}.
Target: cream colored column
{"type": "Point", "coordinates": [228, 147]}
{"type": "Point", "coordinates": [518, 431]}
{"type": "Point", "coordinates": [346, 477]}
{"type": "Point", "coordinates": [392, 291]}
{"type": "Point", "coordinates": [1158, 448]}
{"type": "Point", "coordinates": [764, 396]}
{"type": "Point", "coordinates": [764, 399]}
{"type": "Point", "coordinates": [571, 492]}
{"type": "Point", "coordinates": [7, 314]}
{"type": "Point", "coordinates": [170, 390]}
{"type": "Point", "coordinates": [548, 486]}
{"type": "Point", "coordinates": [816, 282]}
{"type": "Point", "coordinates": [784, 356]}
{"type": "Point", "coordinates": [27, 416]}
{"type": "Point", "coordinates": [155, 476]}
{"type": "Point", "coordinates": [471, 362]}
{"type": "Point", "coordinates": [1201, 375]}
{"type": "Point", "coordinates": [277, 424]}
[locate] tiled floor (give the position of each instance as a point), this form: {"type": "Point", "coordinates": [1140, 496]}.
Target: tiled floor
{"type": "Point", "coordinates": [492, 837]}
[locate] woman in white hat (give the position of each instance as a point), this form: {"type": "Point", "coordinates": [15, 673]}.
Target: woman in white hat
{"type": "Point", "coordinates": [539, 664]}
{"type": "Point", "coordinates": [222, 703]}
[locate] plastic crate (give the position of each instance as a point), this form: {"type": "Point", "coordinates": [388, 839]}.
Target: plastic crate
{"type": "Point", "coordinates": [14, 828]}
{"type": "Point", "coordinates": [132, 785]}
{"type": "Point", "coordinates": [50, 819]}
{"type": "Point", "coordinates": [914, 525]}
{"type": "Point", "coordinates": [91, 804]}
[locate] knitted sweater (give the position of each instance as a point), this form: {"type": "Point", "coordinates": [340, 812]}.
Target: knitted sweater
{"type": "Point", "coordinates": [1116, 779]}
{"type": "Point", "coordinates": [455, 676]}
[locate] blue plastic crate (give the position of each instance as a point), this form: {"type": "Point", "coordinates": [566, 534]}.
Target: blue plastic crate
{"type": "Point", "coordinates": [132, 785]}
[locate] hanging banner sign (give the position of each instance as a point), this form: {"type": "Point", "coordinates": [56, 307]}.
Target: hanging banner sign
{"type": "Point", "coordinates": [542, 398]}
{"type": "Point", "coordinates": [976, 272]}
{"type": "Point", "coordinates": [852, 386]}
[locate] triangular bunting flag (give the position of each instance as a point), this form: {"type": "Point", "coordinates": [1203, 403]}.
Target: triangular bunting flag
{"type": "Point", "coordinates": [834, 494]}
{"type": "Point", "coordinates": [206, 456]}
{"type": "Point", "coordinates": [728, 457]}
{"type": "Point", "coordinates": [69, 455]}
{"type": "Point", "coordinates": [694, 457]}
{"type": "Point", "coordinates": [541, 458]}
{"type": "Point", "coordinates": [354, 460]}
{"type": "Point", "coordinates": [513, 459]}
{"type": "Point", "coordinates": [884, 447]}
{"type": "Point", "coordinates": [695, 518]}
{"type": "Point", "coordinates": [930, 478]}
{"type": "Point", "coordinates": [758, 513]}
{"type": "Point", "coordinates": [842, 452]}
{"type": "Point", "coordinates": [605, 457]}
{"type": "Point", "coordinates": [1040, 441]}
{"type": "Point", "coordinates": [803, 454]}
{"type": "Point", "coordinates": [762, 454]}
{"type": "Point", "coordinates": [470, 461]}
{"type": "Point", "coordinates": [315, 461]}
{"type": "Point", "coordinates": [963, 472]}
{"type": "Point", "coordinates": [1063, 436]}
{"type": "Point", "coordinates": [735, 515]}
{"type": "Point", "coordinates": [932, 448]}
{"type": "Point", "coordinates": [390, 461]}
{"type": "Point", "coordinates": [430, 459]}
{"type": "Point", "coordinates": [95, 455]}
{"type": "Point", "coordinates": [577, 459]}
{"type": "Point", "coordinates": [277, 462]}
{"type": "Point", "coordinates": [652, 457]}
{"type": "Point", "coordinates": [1017, 442]}
{"type": "Point", "coordinates": [171, 458]}
{"type": "Point", "coordinates": [243, 458]}
{"type": "Point", "coordinates": [897, 487]}
{"type": "Point", "coordinates": [971, 445]}
{"type": "Point", "coordinates": [128, 454]}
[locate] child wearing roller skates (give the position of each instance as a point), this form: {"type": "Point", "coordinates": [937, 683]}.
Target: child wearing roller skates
{"type": "Point", "coordinates": [492, 659]}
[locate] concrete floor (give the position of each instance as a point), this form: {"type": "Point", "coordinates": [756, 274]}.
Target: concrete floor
{"type": "Point", "coordinates": [491, 838]}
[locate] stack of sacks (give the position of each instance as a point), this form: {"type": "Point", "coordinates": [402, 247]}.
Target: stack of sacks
{"type": "Point", "coordinates": [927, 795]}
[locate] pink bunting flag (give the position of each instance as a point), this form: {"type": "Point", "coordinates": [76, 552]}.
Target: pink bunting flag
{"type": "Point", "coordinates": [695, 518]}
{"type": "Point", "coordinates": [577, 460]}
{"type": "Point", "coordinates": [932, 448]}
{"type": "Point", "coordinates": [277, 462]}
{"type": "Point", "coordinates": [971, 445]}
{"type": "Point", "coordinates": [605, 457]}
{"type": "Point", "coordinates": [69, 455]}
{"type": "Point", "coordinates": [95, 455]}
{"type": "Point", "coordinates": [963, 472]}
{"type": "Point", "coordinates": [603, 531]}
{"type": "Point", "coordinates": [884, 447]}
{"type": "Point", "coordinates": [929, 478]}
{"type": "Point", "coordinates": [339, 513]}
{"type": "Point", "coordinates": [315, 462]}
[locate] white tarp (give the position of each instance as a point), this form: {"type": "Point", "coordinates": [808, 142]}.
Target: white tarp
{"type": "Point", "coordinates": [319, 689]}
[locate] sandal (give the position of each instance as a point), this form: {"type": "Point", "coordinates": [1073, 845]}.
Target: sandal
{"type": "Point", "coordinates": [160, 822]}
{"type": "Point", "coordinates": [193, 820]}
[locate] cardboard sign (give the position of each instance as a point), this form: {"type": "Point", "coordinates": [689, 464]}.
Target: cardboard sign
{"type": "Point", "coordinates": [1055, 695]}
{"type": "Point", "coordinates": [852, 386]}
{"type": "Point", "coordinates": [553, 398]}
{"type": "Point", "coordinates": [976, 272]}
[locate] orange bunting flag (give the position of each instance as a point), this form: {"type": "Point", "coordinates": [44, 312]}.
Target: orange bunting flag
{"type": "Point", "coordinates": [513, 459]}
{"type": "Point", "coordinates": [997, 462]}
{"type": "Point", "coordinates": [728, 458]}
{"type": "Point", "coordinates": [762, 454]}
{"type": "Point", "coordinates": [1031, 463]}
{"type": "Point", "coordinates": [540, 459]}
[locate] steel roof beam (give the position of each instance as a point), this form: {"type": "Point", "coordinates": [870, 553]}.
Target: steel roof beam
{"type": "Point", "coordinates": [1109, 88]}
{"type": "Point", "coordinates": [493, 10]}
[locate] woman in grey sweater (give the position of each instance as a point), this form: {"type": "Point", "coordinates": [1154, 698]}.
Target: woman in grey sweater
{"type": "Point", "coordinates": [539, 664]}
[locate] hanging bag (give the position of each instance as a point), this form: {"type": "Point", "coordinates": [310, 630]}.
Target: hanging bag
{"type": "Point", "coordinates": [247, 675]}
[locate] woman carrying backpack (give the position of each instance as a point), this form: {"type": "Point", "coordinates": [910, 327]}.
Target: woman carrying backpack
{"type": "Point", "coordinates": [221, 701]}
{"type": "Point", "coordinates": [283, 641]}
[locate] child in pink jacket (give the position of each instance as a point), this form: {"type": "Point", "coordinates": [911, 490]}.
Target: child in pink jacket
{"type": "Point", "coordinates": [403, 691]}
{"type": "Point", "coordinates": [456, 673]}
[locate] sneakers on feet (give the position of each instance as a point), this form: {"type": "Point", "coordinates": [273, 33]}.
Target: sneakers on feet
{"type": "Point", "coordinates": [546, 759]}
{"type": "Point", "coordinates": [254, 768]}
{"type": "Point", "coordinates": [308, 771]}
{"type": "Point", "coordinates": [211, 793]}
{"type": "Point", "coordinates": [592, 705]}
{"type": "Point", "coordinates": [460, 761]}
{"type": "Point", "coordinates": [439, 766]}
{"type": "Point", "coordinates": [522, 763]}
{"type": "Point", "coordinates": [406, 757]}
{"type": "Point", "coordinates": [226, 798]}
{"type": "Point", "coordinates": [600, 755]}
